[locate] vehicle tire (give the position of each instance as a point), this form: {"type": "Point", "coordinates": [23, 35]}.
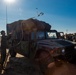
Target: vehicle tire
{"type": "Point", "coordinates": [70, 58]}
{"type": "Point", "coordinates": [44, 58]}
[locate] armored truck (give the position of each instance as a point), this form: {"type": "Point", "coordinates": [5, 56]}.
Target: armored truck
{"type": "Point", "coordinates": [28, 38]}
{"type": "Point", "coordinates": [35, 40]}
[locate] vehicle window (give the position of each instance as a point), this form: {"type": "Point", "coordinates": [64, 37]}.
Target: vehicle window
{"type": "Point", "coordinates": [62, 35]}
{"type": "Point", "coordinates": [40, 35]}
{"type": "Point", "coordinates": [51, 35]}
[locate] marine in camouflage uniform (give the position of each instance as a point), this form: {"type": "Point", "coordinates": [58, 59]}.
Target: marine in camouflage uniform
{"type": "Point", "coordinates": [3, 47]}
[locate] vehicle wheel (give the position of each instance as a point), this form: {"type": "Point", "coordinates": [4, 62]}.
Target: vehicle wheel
{"type": "Point", "coordinates": [70, 58]}
{"type": "Point", "coordinates": [44, 58]}
{"type": "Point", "coordinates": [58, 62]}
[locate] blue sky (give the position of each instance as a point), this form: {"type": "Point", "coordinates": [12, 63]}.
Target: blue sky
{"type": "Point", "coordinates": [60, 14]}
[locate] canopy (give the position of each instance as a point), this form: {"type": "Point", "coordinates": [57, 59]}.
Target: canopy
{"type": "Point", "coordinates": [27, 25]}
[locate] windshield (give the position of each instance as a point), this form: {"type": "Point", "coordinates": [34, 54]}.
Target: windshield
{"type": "Point", "coordinates": [51, 35]}
{"type": "Point", "coordinates": [40, 35]}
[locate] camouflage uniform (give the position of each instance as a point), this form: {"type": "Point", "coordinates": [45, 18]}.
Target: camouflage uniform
{"type": "Point", "coordinates": [3, 47]}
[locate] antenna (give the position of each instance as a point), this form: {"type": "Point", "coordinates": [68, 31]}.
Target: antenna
{"type": "Point", "coordinates": [37, 10]}
{"type": "Point", "coordinates": [38, 13]}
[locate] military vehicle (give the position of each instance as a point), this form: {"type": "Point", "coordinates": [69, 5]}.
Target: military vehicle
{"type": "Point", "coordinates": [66, 50]}
{"type": "Point", "coordinates": [26, 38]}
{"type": "Point", "coordinates": [35, 39]}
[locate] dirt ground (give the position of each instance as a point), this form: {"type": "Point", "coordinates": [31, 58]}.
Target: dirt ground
{"type": "Point", "coordinates": [22, 66]}
{"type": "Point", "coordinates": [61, 69]}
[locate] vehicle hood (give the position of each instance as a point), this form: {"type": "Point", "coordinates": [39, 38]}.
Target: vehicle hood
{"type": "Point", "coordinates": [64, 42]}
{"type": "Point", "coordinates": [49, 44]}
{"type": "Point", "coordinates": [55, 43]}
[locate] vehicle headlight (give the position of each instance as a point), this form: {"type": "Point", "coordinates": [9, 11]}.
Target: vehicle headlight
{"type": "Point", "coordinates": [63, 50]}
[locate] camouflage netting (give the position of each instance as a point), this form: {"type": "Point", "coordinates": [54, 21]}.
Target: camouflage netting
{"type": "Point", "coordinates": [31, 24]}
{"type": "Point", "coordinates": [21, 32]}
{"type": "Point", "coordinates": [27, 25]}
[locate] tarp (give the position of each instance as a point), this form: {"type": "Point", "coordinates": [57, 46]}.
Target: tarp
{"type": "Point", "coordinates": [32, 24]}
{"type": "Point", "coordinates": [27, 25]}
